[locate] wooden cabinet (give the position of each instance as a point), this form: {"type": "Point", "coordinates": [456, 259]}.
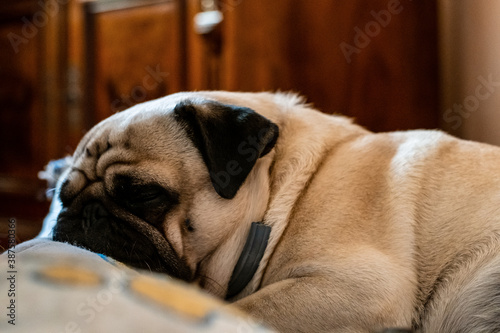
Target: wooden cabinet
{"type": "Point", "coordinates": [133, 52]}
{"type": "Point", "coordinates": [74, 63]}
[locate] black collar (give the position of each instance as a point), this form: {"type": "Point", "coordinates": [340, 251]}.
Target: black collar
{"type": "Point", "coordinates": [250, 257]}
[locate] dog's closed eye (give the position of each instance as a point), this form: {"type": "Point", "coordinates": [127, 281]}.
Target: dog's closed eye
{"type": "Point", "coordinates": [145, 195]}
{"type": "Point", "coordinates": [150, 202]}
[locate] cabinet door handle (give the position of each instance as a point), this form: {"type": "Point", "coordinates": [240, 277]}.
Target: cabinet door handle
{"type": "Point", "coordinates": [207, 22]}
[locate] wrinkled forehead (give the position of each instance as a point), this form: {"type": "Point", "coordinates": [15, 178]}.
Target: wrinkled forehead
{"type": "Point", "coordinates": [125, 137]}
{"type": "Point", "coordinates": [134, 142]}
{"type": "Point", "coordinates": [112, 131]}
{"type": "Point", "coordinates": [128, 127]}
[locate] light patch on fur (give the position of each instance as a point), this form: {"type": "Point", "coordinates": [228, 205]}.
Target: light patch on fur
{"type": "Point", "coordinates": [406, 174]}
{"type": "Point", "coordinates": [290, 99]}
{"type": "Point", "coordinates": [412, 152]}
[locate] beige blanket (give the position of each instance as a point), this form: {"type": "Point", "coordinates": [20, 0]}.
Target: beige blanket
{"type": "Point", "coordinates": [47, 286]}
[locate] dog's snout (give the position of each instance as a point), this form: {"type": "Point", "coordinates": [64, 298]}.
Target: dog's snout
{"type": "Point", "coordinates": [93, 212]}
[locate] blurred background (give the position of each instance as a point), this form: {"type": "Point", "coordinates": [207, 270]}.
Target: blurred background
{"type": "Point", "coordinates": [391, 64]}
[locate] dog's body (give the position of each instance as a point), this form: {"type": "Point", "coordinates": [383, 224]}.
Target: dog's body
{"type": "Point", "coordinates": [367, 230]}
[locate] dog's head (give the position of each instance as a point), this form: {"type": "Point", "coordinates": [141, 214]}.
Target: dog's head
{"type": "Point", "coordinates": [161, 185]}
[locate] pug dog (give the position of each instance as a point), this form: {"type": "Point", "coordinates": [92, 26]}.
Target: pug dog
{"type": "Point", "coordinates": [304, 220]}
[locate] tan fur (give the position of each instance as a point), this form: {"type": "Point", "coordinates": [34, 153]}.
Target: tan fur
{"type": "Point", "coordinates": [364, 225]}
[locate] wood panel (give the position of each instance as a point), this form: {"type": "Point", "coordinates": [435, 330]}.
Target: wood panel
{"type": "Point", "coordinates": [390, 82]}
{"type": "Point", "coordinates": [20, 100]}
{"type": "Point", "coordinates": [134, 53]}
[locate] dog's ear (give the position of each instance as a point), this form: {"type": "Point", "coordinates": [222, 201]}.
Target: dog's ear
{"type": "Point", "coordinates": [230, 139]}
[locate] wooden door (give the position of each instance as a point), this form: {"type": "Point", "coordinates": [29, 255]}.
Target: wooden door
{"type": "Point", "coordinates": [133, 53]}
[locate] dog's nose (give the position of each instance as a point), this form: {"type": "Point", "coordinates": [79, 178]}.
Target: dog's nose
{"type": "Point", "coordinates": [93, 212]}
